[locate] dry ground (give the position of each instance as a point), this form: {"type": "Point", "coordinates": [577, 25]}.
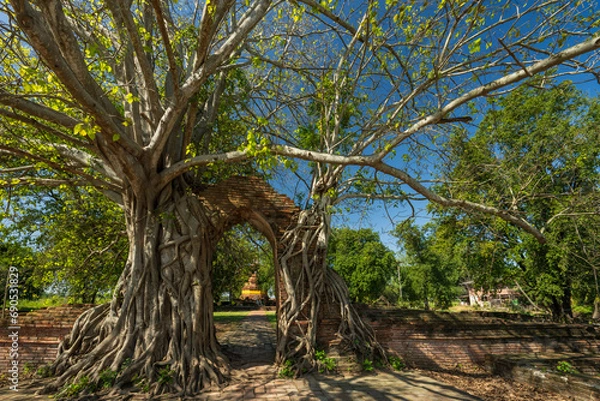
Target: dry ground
{"type": "Point", "coordinates": [493, 388]}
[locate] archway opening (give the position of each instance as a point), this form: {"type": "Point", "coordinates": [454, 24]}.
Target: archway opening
{"type": "Point", "coordinates": [244, 287]}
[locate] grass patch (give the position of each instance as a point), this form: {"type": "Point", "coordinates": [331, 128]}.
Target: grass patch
{"type": "Point", "coordinates": [230, 316]}
{"type": "Point", "coordinates": [272, 317]}
{"type": "Point", "coordinates": [41, 303]}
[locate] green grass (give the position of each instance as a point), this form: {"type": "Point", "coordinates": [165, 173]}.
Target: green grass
{"type": "Point", "coordinates": [272, 317]}
{"type": "Point", "coordinates": [41, 303]}
{"type": "Point", "coordinates": [230, 316]}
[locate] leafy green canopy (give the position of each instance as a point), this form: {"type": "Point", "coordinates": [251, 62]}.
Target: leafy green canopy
{"type": "Point", "coordinates": [363, 261]}
{"type": "Point", "coordinates": [77, 236]}
{"type": "Point", "coordinates": [536, 154]}
{"type": "Point", "coordinates": [433, 272]}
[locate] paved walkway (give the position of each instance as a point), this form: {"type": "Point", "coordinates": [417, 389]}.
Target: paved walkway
{"type": "Point", "coordinates": [251, 348]}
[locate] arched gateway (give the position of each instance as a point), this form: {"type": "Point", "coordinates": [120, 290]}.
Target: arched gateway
{"type": "Point", "coordinates": [251, 200]}
{"type": "Point", "coordinates": [239, 200]}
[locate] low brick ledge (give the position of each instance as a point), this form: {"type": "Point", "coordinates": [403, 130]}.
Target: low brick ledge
{"type": "Point", "coordinates": [537, 370]}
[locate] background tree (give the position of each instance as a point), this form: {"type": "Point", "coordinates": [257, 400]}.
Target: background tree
{"type": "Point", "coordinates": [535, 153]}
{"type": "Point", "coordinates": [77, 235]}
{"type": "Point", "coordinates": [433, 270]}
{"type": "Point", "coordinates": [362, 261]}
{"type": "Point", "coordinates": [241, 252]}
{"type": "Point", "coordinates": [81, 242]}
{"type": "Point", "coordinates": [23, 258]}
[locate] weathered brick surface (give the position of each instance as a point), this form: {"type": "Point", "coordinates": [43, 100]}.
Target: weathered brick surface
{"type": "Point", "coordinates": [423, 339]}
{"type": "Point", "coordinates": [540, 371]}
{"type": "Point", "coordinates": [39, 332]}
{"type": "Point", "coordinates": [443, 340]}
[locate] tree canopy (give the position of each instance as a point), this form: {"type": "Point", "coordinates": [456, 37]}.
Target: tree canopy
{"type": "Point", "coordinates": [536, 153]}
{"type": "Point", "coordinates": [363, 261]}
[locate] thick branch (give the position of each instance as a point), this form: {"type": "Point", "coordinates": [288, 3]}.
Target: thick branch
{"type": "Point", "coordinates": [371, 161]}
{"type": "Point", "coordinates": [58, 167]}
{"type": "Point", "coordinates": [183, 166]}
{"type": "Point", "coordinates": [540, 66]}
{"type": "Point", "coordinates": [45, 128]}
{"type": "Point", "coordinates": [37, 110]}
{"type": "Point", "coordinates": [50, 35]}
{"type": "Point", "coordinates": [43, 182]}
{"type": "Point", "coordinates": [171, 116]}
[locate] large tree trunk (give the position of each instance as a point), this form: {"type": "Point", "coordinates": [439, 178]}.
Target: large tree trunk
{"type": "Point", "coordinates": [158, 330]}
{"type": "Point", "coordinates": [309, 284]}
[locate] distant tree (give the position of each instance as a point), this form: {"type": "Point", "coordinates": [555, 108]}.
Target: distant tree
{"type": "Point", "coordinates": [79, 240]}
{"type": "Point", "coordinates": [433, 272]}
{"type": "Point", "coordinates": [536, 154]}
{"type": "Point", "coordinates": [363, 261]}
{"type": "Point", "coordinates": [23, 258]}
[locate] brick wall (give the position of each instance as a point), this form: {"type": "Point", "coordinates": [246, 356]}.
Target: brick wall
{"type": "Point", "coordinates": [39, 332]}
{"type": "Point", "coordinates": [439, 341]}
{"type": "Point", "coordinates": [431, 340]}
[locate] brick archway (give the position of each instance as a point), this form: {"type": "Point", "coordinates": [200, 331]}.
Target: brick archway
{"type": "Point", "coordinates": [239, 200]}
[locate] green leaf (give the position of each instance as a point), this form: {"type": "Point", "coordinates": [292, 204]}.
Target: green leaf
{"type": "Point", "coordinates": [475, 46]}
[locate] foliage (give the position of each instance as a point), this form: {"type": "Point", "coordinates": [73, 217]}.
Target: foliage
{"type": "Point", "coordinates": [83, 385]}
{"type": "Point", "coordinates": [79, 238]}
{"type": "Point", "coordinates": [397, 363]}
{"type": "Point", "coordinates": [363, 261]}
{"type": "Point", "coordinates": [566, 368]}
{"type": "Point", "coordinates": [535, 153]}
{"type": "Point", "coordinates": [84, 244]}
{"type": "Point", "coordinates": [241, 252]}
{"type": "Point", "coordinates": [325, 364]}
{"type": "Point", "coordinates": [44, 371]}
{"type": "Point", "coordinates": [165, 375]}
{"type": "Point", "coordinates": [13, 253]}
{"type": "Point", "coordinates": [107, 378]}
{"type": "Point", "coordinates": [367, 365]}
{"type": "Point", "coordinates": [287, 370]}
{"type": "Point", "coordinates": [433, 271]}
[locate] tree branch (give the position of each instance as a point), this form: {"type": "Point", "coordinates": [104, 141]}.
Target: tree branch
{"type": "Point", "coordinates": [540, 66]}
{"type": "Point", "coordinates": [183, 166]}
{"type": "Point", "coordinates": [371, 161]}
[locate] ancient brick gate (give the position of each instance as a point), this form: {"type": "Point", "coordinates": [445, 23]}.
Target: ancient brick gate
{"type": "Point", "coordinates": [251, 200]}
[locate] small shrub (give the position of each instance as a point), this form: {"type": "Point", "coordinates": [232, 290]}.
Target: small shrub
{"type": "Point", "coordinates": [141, 383]}
{"type": "Point", "coordinates": [565, 367]}
{"type": "Point", "coordinates": [44, 371]}
{"type": "Point", "coordinates": [126, 363]}
{"type": "Point", "coordinates": [367, 365]}
{"type": "Point", "coordinates": [165, 375]}
{"type": "Point", "coordinates": [107, 378]}
{"type": "Point", "coordinates": [77, 387]}
{"type": "Point", "coordinates": [397, 363]}
{"type": "Point", "coordinates": [325, 364]}
{"type": "Point", "coordinates": [287, 371]}
{"type": "Point", "coordinates": [28, 368]}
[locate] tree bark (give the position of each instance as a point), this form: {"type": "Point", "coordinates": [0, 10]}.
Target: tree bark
{"type": "Point", "coordinates": [158, 330]}
{"type": "Point", "coordinates": [310, 284]}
